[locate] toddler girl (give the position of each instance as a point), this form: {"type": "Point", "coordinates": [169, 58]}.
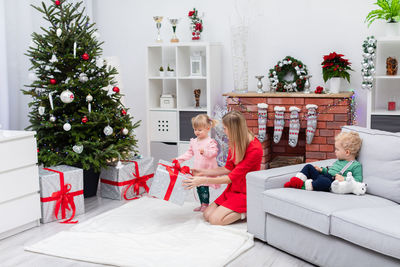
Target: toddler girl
{"type": "Point", "coordinates": [204, 149]}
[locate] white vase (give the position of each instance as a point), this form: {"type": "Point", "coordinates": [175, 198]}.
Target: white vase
{"type": "Point", "coordinates": [392, 29]}
{"type": "Point", "coordinates": [335, 85]}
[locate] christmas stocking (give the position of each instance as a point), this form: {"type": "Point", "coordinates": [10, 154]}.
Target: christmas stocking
{"type": "Point", "coordinates": [262, 121]}
{"type": "Point", "coordinates": [311, 122]}
{"type": "Point", "coordinates": [278, 123]}
{"type": "Point", "coordinates": [294, 126]}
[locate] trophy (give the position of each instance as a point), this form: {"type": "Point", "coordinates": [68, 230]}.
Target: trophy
{"type": "Point", "coordinates": [174, 22]}
{"type": "Point", "coordinates": [197, 93]}
{"type": "Point", "coordinates": [259, 84]}
{"type": "Point", "coordinates": [158, 20]}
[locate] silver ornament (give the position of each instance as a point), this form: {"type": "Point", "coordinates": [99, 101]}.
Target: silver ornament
{"type": "Point", "coordinates": [83, 77]}
{"type": "Point", "coordinates": [52, 118]}
{"type": "Point", "coordinates": [108, 130]}
{"type": "Point", "coordinates": [89, 98]}
{"type": "Point", "coordinates": [41, 110]}
{"type": "Point", "coordinates": [77, 149]}
{"type": "Point", "coordinates": [373, 55]}
{"type": "Point", "coordinates": [67, 96]}
{"type": "Point", "coordinates": [372, 70]}
{"type": "Point", "coordinates": [125, 131]}
{"type": "Point", "coordinates": [67, 126]}
{"type": "Point", "coordinates": [280, 65]}
{"type": "Point", "coordinates": [370, 50]}
{"type": "Point", "coordinates": [59, 32]}
{"type": "Point", "coordinates": [365, 65]}
{"type": "Point", "coordinates": [274, 73]}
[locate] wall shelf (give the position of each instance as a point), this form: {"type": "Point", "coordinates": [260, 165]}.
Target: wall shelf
{"type": "Point", "coordinates": [164, 124]}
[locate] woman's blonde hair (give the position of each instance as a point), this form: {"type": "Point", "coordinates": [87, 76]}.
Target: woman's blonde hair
{"type": "Point", "coordinates": [203, 121]}
{"type": "Point", "coordinates": [238, 134]}
{"type": "Point", "coordinates": [350, 141]}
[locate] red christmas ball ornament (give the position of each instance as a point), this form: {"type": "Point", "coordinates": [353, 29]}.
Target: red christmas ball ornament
{"type": "Point", "coordinates": [116, 89]}
{"type": "Point", "coordinates": [123, 112]}
{"type": "Point", "coordinates": [57, 2]}
{"type": "Point", "coordinates": [84, 119]}
{"type": "Point", "coordinates": [85, 56]}
{"type": "Point", "coordinates": [53, 81]}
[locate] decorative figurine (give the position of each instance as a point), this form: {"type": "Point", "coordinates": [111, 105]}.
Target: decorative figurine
{"type": "Point", "coordinates": [197, 93]}
{"type": "Point", "coordinates": [391, 66]}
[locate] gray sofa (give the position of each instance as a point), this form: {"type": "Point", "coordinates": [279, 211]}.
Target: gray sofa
{"type": "Point", "coordinates": [329, 229]}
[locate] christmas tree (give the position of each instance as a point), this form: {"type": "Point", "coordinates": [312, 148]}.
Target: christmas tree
{"type": "Point", "coordinates": [76, 108]}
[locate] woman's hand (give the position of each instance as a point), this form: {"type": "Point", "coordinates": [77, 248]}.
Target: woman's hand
{"type": "Point", "coordinates": [193, 182]}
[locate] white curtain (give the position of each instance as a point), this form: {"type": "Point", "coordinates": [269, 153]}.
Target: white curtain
{"type": "Point", "coordinates": [18, 20]}
{"type": "Point", "coordinates": [4, 107]}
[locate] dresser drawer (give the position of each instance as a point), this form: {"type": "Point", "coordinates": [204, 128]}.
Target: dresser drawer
{"type": "Point", "coordinates": [19, 212]}
{"type": "Point", "coordinates": [17, 153]}
{"type": "Point", "coordinates": [19, 182]}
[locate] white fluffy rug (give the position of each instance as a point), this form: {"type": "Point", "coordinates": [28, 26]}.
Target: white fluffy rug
{"type": "Point", "coordinates": [149, 232]}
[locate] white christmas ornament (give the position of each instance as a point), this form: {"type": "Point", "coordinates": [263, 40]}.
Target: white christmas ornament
{"type": "Point", "coordinates": [67, 96]}
{"type": "Point", "coordinates": [41, 110]}
{"type": "Point", "coordinates": [67, 126]}
{"type": "Point", "coordinates": [83, 77]}
{"type": "Point", "coordinates": [99, 62]}
{"type": "Point", "coordinates": [125, 131]}
{"type": "Point", "coordinates": [108, 130]}
{"type": "Point", "coordinates": [77, 148]}
{"type": "Point", "coordinates": [59, 32]}
{"type": "Point", "coordinates": [74, 49]}
{"type": "Point", "coordinates": [53, 59]}
{"type": "Point", "coordinates": [89, 99]}
{"type": "Point", "coordinates": [52, 118]}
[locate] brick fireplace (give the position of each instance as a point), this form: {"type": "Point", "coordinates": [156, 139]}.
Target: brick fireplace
{"type": "Point", "coordinates": [334, 111]}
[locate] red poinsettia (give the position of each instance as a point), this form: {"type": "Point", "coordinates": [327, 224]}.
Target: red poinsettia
{"type": "Point", "coordinates": [334, 65]}
{"type": "Point", "coordinates": [319, 90]}
{"type": "Point", "coordinates": [191, 13]}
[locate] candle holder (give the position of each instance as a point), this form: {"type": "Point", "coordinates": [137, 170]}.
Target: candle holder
{"type": "Point", "coordinates": [260, 84]}
{"type": "Point", "coordinates": [158, 20]}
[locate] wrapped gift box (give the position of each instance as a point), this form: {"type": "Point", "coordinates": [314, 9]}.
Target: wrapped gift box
{"type": "Point", "coordinates": [167, 183]}
{"type": "Point", "coordinates": [128, 181]}
{"type": "Point", "coordinates": [61, 193]}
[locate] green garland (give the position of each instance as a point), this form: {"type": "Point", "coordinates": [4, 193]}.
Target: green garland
{"type": "Point", "coordinates": [281, 69]}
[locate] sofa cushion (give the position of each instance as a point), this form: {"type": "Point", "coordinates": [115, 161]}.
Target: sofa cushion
{"type": "Point", "coordinates": [313, 209]}
{"type": "Point", "coordinates": [380, 159]}
{"type": "Point", "coordinates": [374, 228]}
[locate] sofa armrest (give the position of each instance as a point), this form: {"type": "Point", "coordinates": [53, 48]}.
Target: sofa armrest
{"type": "Point", "coordinates": [258, 182]}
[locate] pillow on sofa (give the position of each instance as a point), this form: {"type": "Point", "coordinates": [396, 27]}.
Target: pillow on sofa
{"type": "Point", "coordinates": [380, 158]}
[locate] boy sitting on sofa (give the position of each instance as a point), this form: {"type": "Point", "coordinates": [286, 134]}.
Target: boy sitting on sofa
{"type": "Point", "coordinates": [347, 146]}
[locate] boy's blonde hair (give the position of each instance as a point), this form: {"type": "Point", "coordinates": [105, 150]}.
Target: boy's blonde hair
{"type": "Point", "coordinates": [350, 141]}
{"type": "Point", "coordinates": [203, 121]}
{"type": "Point", "coordinates": [238, 133]}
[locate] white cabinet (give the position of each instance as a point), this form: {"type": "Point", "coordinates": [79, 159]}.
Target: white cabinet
{"type": "Point", "coordinates": [19, 182]}
{"type": "Point", "coordinates": [171, 124]}
{"type": "Point", "coordinates": [385, 89]}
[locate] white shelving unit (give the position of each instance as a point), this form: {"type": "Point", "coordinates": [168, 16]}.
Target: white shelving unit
{"type": "Point", "coordinates": [170, 129]}
{"type": "Point", "coordinates": [385, 87]}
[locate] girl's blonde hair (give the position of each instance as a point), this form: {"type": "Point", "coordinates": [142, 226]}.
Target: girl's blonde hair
{"type": "Point", "coordinates": [238, 134]}
{"type": "Point", "coordinates": [350, 141]}
{"type": "Point", "coordinates": [203, 121]}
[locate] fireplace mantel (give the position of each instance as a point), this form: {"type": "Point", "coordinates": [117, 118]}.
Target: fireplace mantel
{"type": "Point", "coordinates": [334, 111]}
{"type": "Point", "coordinates": [281, 94]}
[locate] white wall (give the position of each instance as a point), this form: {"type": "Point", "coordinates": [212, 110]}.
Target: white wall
{"type": "Point", "coordinates": [304, 29]}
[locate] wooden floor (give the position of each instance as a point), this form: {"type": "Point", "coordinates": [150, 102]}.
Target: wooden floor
{"type": "Point", "coordinates": [12, 253]}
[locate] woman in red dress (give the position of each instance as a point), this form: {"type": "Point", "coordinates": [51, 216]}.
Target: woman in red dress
{"type": "Point", "coordinates": [244, 156]}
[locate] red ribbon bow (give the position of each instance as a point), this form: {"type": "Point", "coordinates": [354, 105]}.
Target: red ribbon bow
{"type": "Point", "coordinates": [139, 181]}
{"type": "Point", "coordinates": [64, 198]}
{"type": "Point", "coordinates": [174, 171]}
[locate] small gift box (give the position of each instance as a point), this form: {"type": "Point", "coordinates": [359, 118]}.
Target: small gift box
{"type": "Point", "coordinates": [127, 181]}
{"type": "Point", "coordinates": [167, 183]}
{"type": "Point", "coordinates": [61, 193]}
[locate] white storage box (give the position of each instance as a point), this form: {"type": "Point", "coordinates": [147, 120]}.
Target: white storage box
{"type": "Point", "coordinates": [167, 101]}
